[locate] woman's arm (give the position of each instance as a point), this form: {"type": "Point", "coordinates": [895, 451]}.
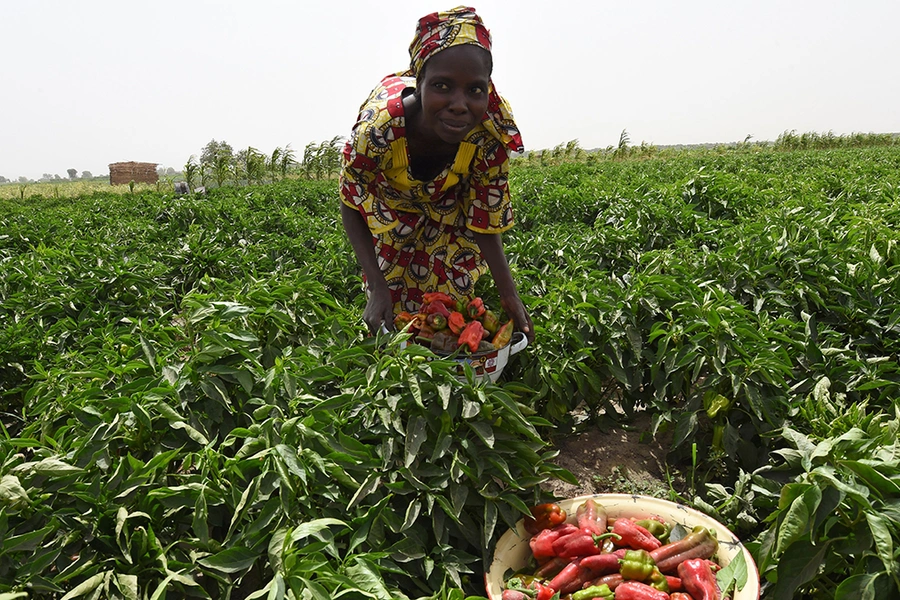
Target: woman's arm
{"type": "Point", "coordinates": [491, 245]}
{"type": "Point", "coordinates": [379, 308]}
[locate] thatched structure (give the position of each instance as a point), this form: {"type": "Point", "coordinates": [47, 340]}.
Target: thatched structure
{"type": "Point", "coordinates": [138, 172]}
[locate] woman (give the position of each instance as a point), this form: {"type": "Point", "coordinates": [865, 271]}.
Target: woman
{"type": "Point", "coordinates": [424, 189]}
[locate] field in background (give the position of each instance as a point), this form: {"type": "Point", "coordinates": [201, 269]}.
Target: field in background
{"type": "Point", "coordinates": [192, 404]}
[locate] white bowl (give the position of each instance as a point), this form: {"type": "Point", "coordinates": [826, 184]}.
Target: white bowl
{"type": "Point", "coordinates": [512, 551]}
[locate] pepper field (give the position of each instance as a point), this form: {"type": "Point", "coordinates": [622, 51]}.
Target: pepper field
{"type": "Point", "coordinates": [191, 408]}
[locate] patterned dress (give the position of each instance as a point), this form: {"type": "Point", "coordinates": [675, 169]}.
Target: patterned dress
{"type": "Point", "coordinates": [422, 230]}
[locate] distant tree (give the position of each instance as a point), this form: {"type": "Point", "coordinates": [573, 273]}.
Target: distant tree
{"type": "Point", "coordinates": [170, 171]}
{"type": "Point", "coordinates": [56, 177]}
{"type": "Point", "coordinates": [213, 150]}
{"type": "Point", "coordinates": [86, 175]}
{"type": "Point", "coordinates": [23, 179]}
{"type": "Point", "coordinates": [73, 173]}
{"type": "Point", "coordinates": [46, 176]}
{"type": "Point", "coordinates": [3, 179]}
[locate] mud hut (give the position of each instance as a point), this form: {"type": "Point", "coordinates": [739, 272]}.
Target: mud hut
{"type": "Point", "coordinates": [138, 172]}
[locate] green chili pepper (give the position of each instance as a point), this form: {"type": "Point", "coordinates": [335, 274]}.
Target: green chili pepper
{"type": "Point", "coordinates": [637, 565]}
{"type": "Point", "coordinates": [659, 529]}
{"type": "Point", "coordinates": [595, 591]}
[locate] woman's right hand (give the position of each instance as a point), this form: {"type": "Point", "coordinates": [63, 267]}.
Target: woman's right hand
{"type": "Point", "coordinates": [379, 311]}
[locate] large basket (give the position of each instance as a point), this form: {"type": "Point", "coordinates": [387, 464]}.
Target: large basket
{"type": "Point", "coordinates": [512, 551]}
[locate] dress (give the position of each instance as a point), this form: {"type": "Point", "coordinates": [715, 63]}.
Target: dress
{"type": "Point", "coordinates": [422, 230]}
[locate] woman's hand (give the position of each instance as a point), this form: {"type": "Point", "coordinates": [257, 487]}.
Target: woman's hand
{"type": "Point", "coordinates": [514, 307]}
{"type": "Point", "coordinates": [491, 246]}
{"type": "Point", "coordinates": [379, 311]}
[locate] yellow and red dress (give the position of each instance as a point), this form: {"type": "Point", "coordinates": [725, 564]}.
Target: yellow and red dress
{"type": "Point", "coordinates": [422, 230]}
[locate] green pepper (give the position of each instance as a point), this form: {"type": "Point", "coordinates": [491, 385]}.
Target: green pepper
{"type": "Point", "coordinates": [491, 321]}
{"type": "Point", "coordinates": [595, 591]}
{"type": "Point", "coordinates": [658, 580]}
{"type": "Point", "coordinates": [503, 335]}
{"type": "Point", "coordinates": [436, 321]}
{"type": "Point", "coordinates": [637, 565]}
{"type": "Point", "coordinates": [659, 529]}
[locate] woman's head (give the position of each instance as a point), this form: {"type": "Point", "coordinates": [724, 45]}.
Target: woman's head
{"type": "Point", "coordinates": [442, 30]}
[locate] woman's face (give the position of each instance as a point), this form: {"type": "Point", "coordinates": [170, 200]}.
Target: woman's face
{"type": "Point", "coordinates": [454, 92]}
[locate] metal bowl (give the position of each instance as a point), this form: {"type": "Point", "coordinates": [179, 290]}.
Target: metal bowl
{"type": "Point", "coordinates": [512, 551]}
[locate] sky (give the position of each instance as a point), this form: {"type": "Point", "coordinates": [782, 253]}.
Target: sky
{"type": "Point", "coordinates": [84, 84]}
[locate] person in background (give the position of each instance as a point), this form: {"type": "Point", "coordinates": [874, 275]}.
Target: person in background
{"type": "Point", "coordinates": [424, 177]}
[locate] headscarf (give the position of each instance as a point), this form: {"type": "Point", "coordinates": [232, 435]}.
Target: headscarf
{"type": "Point", "coordinates": [441, 30]}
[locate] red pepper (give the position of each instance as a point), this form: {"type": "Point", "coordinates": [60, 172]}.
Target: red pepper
{"type": "Point", "coordinates": [680, 596]}
{"type": "Point", "coordinates": [475, 308]}
{"type": "Point", "coordinates": [551, 568]}
{"type": "Point", "coordinates": [542, 543]}
{"type": "Point", "coordinates": [514, 595]}
{"type": "Point", "coordinates": [456, 322]}
{"type": "Point", "coordinates": [436, 308]}
{"type": "Point", "coordinates": [634, 536]}
{"type": "Point", "coordinates": [583, 570]}
{"type": "Point", "coordinates": [436, 321]}
{"type": "Point", "coordinates": [591, 517]}
{"type": "Point", "coordinates": [471, 335]}
{"type": "Point", "coordinates": [699, 580]}
{"type": "Point", "coordinates": [575, 545]}
{"type": "Point", "coordinates": [699, 543]}
{"type": "Point", "coordinates": [635, 590]}
{"type": "Point", "coordinates": [441, 297]}
{"type": "Point", "coordinates": [544, 516]}
{"type": "Point", "coordinates": [544, 592]}
{"type": "Point", "coordinates": [674, 583]}
{"type": "Point", "coordinates": [612, 580]}
{"type": "Point", "coordinates": [401, 320]}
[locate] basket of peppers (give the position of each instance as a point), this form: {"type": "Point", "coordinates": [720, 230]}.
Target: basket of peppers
{"type": "Point", "coordinates": [465, 328]}
{"type": "Point", "coordinates": [620, 547]}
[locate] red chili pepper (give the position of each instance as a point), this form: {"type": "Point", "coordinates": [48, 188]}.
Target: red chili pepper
{"type": "Point", "coordinates": [634, 536]}
{"type": "Point", "coordinates": [542, 543]}
{"type": "Point", "coordinates": [456, 322]}
{"type": "Point", "coordinates": [583, 570]}
{"type": "Point", "coordinates": [591, 517]}
{"type": "Point", "coordinates": [612, 580]}
{"type": "Point", "coordinates": [435, 308]}
{"type": "Point", "coordinates": [440, 297]}
{"type": "Point", "coordinates": [551, 568]}
{"type": "Point", "coordinates": [471, 335]}
{"type": "Point", "coordinates": [680, 596]}
{"type": "Point", "coordinates": [575, 545]}
{"type": "Point", "coordinates": [544, 516]}
{"type": "Point", "coordinates": [635, 590]}
{"type": "Point", "coordinates": [699, 543]}
{"type": "Point", "coordinates": [699, 580]}
{"type": "Point", "coordinates": [475, 308]}
{"type": "Point", "coordinates": [675, 584]}
{"type": "Point", "coordinates": [514, 595]}
{"type": "Point", "coordinates": [544, 592]}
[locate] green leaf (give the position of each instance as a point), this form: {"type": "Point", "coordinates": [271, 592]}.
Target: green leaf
{"type": "Point", "coordinates": [230, 560]}
{"type": "Point", "coordinates": [798, 565]}
{"type": "Point", "coordinates": [415, 436]}
{"type": "Point", "coordinates": [367, 577]}
{"type": "Point", "coordinates": [857, 587]}
{"type": "Point", "coordinates": [734, 574]}
{"type": "Point", "coordinates": [85, 587]}
{"type": "Point", "coordinates": [12, 494]}
{"type": "Point", "coordinates": [884, 542]}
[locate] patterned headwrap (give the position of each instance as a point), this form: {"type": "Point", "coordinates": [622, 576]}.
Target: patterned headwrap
{"type": "Point", "coordinates": [441, 30]}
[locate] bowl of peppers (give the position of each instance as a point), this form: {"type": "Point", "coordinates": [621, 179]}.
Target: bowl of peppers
{"type": "Point", "coordinates": [465, 329]}
{"type": "Point", "coordinates": [620, 547]}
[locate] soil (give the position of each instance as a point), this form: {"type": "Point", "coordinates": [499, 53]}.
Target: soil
{"type": "Point", "coordinates": [622, 459]}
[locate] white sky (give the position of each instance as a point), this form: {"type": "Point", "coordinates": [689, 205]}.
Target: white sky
{"type": "Point", "coordinates": [84, 84]}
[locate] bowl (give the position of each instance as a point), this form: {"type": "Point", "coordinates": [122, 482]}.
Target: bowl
{"type": "Point", "coordinates": [491, 363]}
{"type": "Point", "coordinates": [512, 551]}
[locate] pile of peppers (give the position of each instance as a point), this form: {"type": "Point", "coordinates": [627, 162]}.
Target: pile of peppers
{"type": "Point", "coordinates": [598, 558]}
{"type": "Point", "coordinates": [446, 324]}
